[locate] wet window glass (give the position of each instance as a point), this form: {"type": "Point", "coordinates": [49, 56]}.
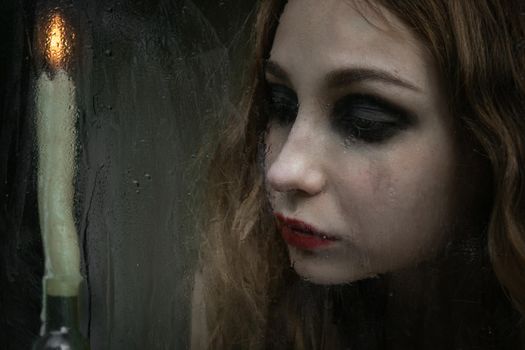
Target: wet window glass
{"type": "Point", "coordinates": [262, 174]}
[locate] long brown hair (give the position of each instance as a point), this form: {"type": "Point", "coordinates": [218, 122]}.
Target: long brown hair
{"type": "Point", "coordinates": [479, 49]}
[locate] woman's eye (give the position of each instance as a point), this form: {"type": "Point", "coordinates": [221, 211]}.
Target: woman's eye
{"type": "Point", "coordinates": [281, 104]}
{"type": "Point", "coordinates": [368, 118]}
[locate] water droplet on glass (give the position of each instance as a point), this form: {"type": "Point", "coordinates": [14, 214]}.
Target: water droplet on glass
{"type": "Point", "coordinates": [391, 193]}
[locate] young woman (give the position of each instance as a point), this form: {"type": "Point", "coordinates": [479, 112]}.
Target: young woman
{"type": "Point", "coordinates": [370, 193]}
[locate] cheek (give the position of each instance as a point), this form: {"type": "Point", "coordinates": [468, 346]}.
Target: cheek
{"type": "Point", "coordinates": [400, 204]}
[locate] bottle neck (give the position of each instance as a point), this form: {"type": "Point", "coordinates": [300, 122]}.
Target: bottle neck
{"type": "Point", "coordinates": [61, 312]}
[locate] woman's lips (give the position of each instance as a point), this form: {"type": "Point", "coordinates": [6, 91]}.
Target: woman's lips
{"type": "Point", "coordinates": [302, 235]}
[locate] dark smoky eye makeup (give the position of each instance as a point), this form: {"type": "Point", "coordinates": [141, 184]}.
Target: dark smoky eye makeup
{"type": "Point", "coordinates": [368, 118]}
{"type": "Point", "coordinates": [358, 117]}
{"type": "Point", "coordinates": [280, 103]}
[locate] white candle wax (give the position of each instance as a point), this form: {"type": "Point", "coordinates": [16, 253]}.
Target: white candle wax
{"type": "Point", "coordinates": [56, 117]}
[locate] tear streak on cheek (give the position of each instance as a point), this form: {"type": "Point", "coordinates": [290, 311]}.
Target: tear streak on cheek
{"type": "Point", "coordinates": [376, 178]}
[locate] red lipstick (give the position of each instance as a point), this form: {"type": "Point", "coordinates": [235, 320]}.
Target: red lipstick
{"type": "Point", "coordinates": [302, 235]}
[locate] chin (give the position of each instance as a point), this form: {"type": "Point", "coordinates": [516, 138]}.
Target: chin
{"type": "Point", "coordinates": [323, 272]}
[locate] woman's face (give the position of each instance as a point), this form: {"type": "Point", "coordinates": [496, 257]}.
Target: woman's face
{"type": "Point", "coordinates": [361, 155]}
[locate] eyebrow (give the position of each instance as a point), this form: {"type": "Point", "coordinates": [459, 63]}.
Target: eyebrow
{"type": "Point", "coordinates": [346, 76]}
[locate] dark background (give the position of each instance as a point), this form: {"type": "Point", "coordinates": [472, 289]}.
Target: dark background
{"type": "Point", "coordinates": [151, 77]}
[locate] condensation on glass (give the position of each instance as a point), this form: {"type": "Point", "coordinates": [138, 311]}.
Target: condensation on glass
{"type": "Point", "coordinates": [144, 81]}
{"type": "Point", "coordinates": [147, 77]}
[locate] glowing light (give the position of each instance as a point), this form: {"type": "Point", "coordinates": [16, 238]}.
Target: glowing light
{"type": "Point", "coordinates": [57, 43]}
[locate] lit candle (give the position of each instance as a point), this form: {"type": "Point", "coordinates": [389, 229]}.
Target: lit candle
{"type": "Point", "coordinates": [56, 116]}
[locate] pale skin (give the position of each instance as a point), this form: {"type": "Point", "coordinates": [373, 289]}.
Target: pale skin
{"type": "Point", "coordinates": [389, 195]}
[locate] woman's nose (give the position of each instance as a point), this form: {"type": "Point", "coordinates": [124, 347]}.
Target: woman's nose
{"type": "Point", "coordinates": [297, 166]}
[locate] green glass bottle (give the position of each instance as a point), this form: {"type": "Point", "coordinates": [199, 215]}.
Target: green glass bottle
{"type": "Point", "coordinates": [60, 329]}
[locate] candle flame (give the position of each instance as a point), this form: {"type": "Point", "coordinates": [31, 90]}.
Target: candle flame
{"type": "Point", "coordinates": [57, 44]}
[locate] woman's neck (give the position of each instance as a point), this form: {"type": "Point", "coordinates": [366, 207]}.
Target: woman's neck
{"type": "Point", "coordinates": [452, 302]}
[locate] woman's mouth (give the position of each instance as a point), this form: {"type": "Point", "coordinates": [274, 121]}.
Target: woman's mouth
{"type": "Point", "coordinates": [302, 235]}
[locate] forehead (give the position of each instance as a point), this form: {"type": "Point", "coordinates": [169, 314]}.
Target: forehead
{"type": "Point", "coordinates": [319, 36]}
